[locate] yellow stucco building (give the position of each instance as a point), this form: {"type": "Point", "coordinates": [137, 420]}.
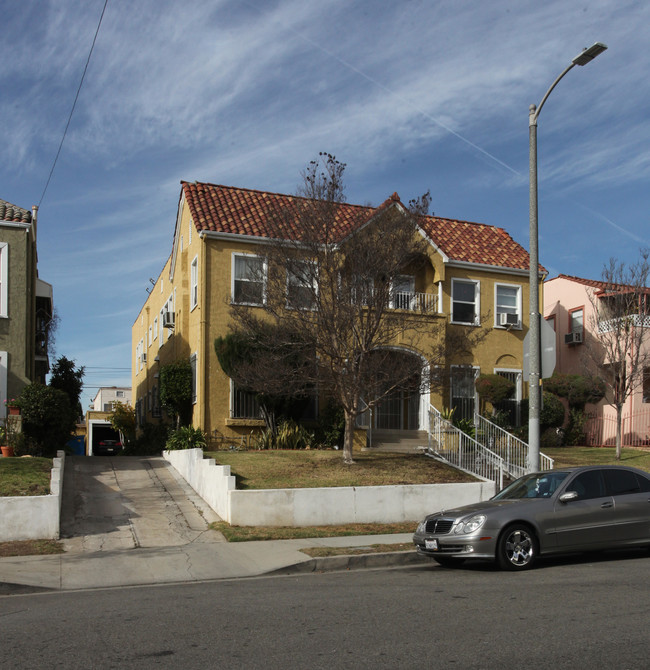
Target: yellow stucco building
{"type": "Point", "coordinates": [476, 277]}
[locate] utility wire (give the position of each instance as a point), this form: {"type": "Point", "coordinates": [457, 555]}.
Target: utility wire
{"type": "Point", "coordinates": [74, 104]}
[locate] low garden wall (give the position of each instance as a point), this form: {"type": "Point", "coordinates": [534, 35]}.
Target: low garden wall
{"type": "Point", "coordinates": [34, 517]}
{"type": "Point", "coordinates": [318, 506]}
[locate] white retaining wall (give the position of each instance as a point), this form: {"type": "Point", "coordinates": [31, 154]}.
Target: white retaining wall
{"type": "Point", "coordinates": [321, 506]}
{"type": "Point", "coordinates": [34, 517]}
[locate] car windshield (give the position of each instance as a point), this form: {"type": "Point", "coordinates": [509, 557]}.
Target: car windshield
{"type": "Point", "coordinates": [532, 486]}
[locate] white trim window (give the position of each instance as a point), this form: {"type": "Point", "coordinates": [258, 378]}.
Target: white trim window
{"type": "Point", "coordinates": [465, 301]}
{"type": "Point", "coordinates": [4, 276]}
{"type": "Point", "coordinates": [3, 384]}
{"type": "Point", "coordinates": [193, 358]}
{"type": "Point", "coordinates": [302, 286]}
{"type": "Point", "coordinates": [248, 279]}
{"type": "Point", "coordinates": [507, 301]}
{"type": "Point", "coordinates": [194, 283]}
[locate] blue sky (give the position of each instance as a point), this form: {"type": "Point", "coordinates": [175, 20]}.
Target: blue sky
{"type": "Point", "coordinates": [412, 95]}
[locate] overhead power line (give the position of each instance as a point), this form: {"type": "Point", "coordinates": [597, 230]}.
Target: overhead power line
{"type": "Point", "coordinates": [74, 104]}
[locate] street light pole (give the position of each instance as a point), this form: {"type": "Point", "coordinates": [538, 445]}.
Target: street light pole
{"type": "Point", "coordinates": [535, 343]}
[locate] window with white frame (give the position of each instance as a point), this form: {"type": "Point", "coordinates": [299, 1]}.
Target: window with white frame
{"type": "Point", "coordinates": [4, 274]}
{"type": "Point", "coordinates": [194, 379]}
{"type": "Point", "coordinates": [507, 302]}
{"type": "Point", "coordinates": [3, 383]}
{"type": "Point", "coordinates": [150, 335]}
{"type": "Point", "coordinates": [465, 301]}
{"type": "Point", "coordinates": [194, 283]}
{"type": "Point", "coordinates": [248, 279]}
{"type": "Point", "coordinates": [302, 286]}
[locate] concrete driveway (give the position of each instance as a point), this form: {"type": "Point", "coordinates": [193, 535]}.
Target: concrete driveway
{"type": "Point", "coordinates": [115, 503]}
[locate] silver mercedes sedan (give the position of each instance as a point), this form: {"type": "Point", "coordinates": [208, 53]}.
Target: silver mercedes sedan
{"type": "Point", "coordinates": [557, 511]}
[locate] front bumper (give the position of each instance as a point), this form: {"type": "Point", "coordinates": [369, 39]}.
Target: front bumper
{"type": "Point", "coordinates": [480, 545]}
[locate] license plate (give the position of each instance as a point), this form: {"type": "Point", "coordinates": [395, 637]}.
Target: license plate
{"type": "Point", "coordinates": [431, 544]}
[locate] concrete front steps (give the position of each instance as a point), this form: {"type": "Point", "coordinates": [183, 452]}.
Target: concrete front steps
{"type": "Point", "coordinates": [400, 441]}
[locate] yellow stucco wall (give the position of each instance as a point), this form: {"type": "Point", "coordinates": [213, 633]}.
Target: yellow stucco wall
{"type": "Point", "coordinates": [197, 327]}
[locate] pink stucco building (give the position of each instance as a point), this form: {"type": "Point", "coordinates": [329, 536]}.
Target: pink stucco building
{"type": "Point", "coordinates": [569, 307]}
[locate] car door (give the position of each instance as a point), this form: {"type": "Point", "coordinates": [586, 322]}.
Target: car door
{"type": "Point", "coordinates": [631, 494]}
{"type": "Point", "coordinates": [586, 522]}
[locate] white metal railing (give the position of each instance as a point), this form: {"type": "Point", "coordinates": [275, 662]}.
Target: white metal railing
{"type": "Point", "coordinates": [414, 302]}
{"type": "Point", "coordinates": [513, 450]}
{"type": "Point", "coordinates": [462, 451]}
{"type": "Point", "coordinates": [636, 320]}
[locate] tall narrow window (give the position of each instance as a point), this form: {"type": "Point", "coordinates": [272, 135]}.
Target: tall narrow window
{"type": "Point", "coordinates": [302, 287]}
{"type": "Point", "coordinates": [463, 391]}
{"type": "Point", "coordinates": [249, 279]}
{"type": "Point", "coordinates": [4, 264]}
{"type": "Point", "coordinates": [194, 283]}
{"type": "Point", "coordinates": [507, 305]}
{"type": "Point", "coordinates": [194, 378]}
{"type": "Point", "coordinates": [465, 302]}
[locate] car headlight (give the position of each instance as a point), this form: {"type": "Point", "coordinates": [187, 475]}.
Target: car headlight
{"type": "Point", "coordinates": [470, 525]}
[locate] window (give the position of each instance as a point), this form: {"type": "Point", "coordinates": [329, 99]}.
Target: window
{"type": "Point", "coordinates": [245, 404]}
{"type": "Point", "coordinates": [402, 295]}
{"type": "Point", "coordinates": [194, 283]}
{"type": "Point", "coordinates": [4, 267]}
{"type": "Point", "coordinates": [150, 335]}
{"type": "Point", "coordinates": [588, 485]}
{"type": "Point", "coordinates": [193, 366]}
{"type": "Point", "coordinates": [465, 302]}
{"type": "Point", "coordinates": [576, 318]}
{"type": "Point", "coordinates": [621, 482]}
{"type": "Point", "coordinates": [463, 391]}
{"type": "Point", "coordinates": [3, 383]}
{"type": "Point", "coordinates": [119, 394]}
{"type": "Point", "coordinates": [507, 301]}
{"type": "Point", "coordinates": [302, 287]}
{"type": "Point", "coordinates": [249, 280]}
{"type": "Point", "coordinates": [646, 384]}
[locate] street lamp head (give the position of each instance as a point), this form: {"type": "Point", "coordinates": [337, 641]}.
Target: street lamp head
{"type": "Point", "coordinates": [589, 54]}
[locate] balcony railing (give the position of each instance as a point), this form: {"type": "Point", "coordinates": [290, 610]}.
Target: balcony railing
{"type": "Point", "coordinates": [635, 320]}
{"type": "Point", "coordinates": [415, 302]}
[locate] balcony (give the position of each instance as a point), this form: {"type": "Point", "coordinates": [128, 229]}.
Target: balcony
{"type": "Point", "coordinates": [633, 320]}
{"type": "Point", "coordinates": [427, 303]}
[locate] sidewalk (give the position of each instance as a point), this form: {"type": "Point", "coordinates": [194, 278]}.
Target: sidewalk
{"type": "Point", "coordinates": [193, 562]}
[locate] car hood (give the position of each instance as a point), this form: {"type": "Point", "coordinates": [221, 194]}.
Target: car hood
{"type": "Point", "coordinates": [484, 507]}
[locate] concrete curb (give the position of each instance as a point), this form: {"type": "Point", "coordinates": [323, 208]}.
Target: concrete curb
{"type": "Point", "coordinates": [352, 562]}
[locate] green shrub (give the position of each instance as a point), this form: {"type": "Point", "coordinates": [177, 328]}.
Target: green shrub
{"type": "Point", "coordinates": [150, 442]}
{"type": "Point", "coordinates": [331, 427]}
{"type": "Point", "coordinates": [494, 388]}
{"type": "Point", "coordinates": [290, 435]}
{"type": "Point", "coordinates": [185, 437]}
{"type": "Point", "coordinates": [48, 418]}
{"type": "Point", "coordinates": [552, 413]}
{"type": "Point", "coordinates": [466, 425]}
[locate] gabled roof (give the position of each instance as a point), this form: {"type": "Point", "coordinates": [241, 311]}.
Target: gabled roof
{"type": "Point", "coordinates": [9, 212]}
{"type": "Point", "coordinates": [247, 212]}
{"type": "Point", "coordinates": [603, 286]}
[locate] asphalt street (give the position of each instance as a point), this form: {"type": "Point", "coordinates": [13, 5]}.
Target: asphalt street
{"type": "Point", "coordinates": [574, 613]}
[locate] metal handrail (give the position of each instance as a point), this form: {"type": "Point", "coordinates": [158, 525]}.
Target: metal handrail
{"type": "Point", "coordinates": [457, 448]}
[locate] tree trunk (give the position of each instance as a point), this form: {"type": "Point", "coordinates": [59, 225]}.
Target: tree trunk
{"type": "Point", "coordinates": [348, 441]}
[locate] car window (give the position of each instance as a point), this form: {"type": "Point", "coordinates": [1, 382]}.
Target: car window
{"type": "Point", "coordinates": [588, 484]}
{"type": "Point", "coordinates": [644, 483]}
{"type": "Point", "coordinates": [532, 486]}
{"type": "Point", "coordinates": [621, 482]}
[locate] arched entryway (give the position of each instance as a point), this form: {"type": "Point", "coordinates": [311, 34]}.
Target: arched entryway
{"type": "Point", "coordinates": [404, 397]}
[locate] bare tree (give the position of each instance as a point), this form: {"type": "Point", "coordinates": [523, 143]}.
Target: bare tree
{"type": "Point", "coordinates": [331, 293]}
{"type": "Point", "coordinates": [620, 351]}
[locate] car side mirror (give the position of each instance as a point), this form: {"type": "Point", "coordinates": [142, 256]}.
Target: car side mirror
{"type": "Point", "coordinates": [568, 496]}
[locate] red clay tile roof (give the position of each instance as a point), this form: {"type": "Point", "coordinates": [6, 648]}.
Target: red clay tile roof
{"type": "Point", "coordinates": [602, 286]}
{"type": "Point", "coordinates": [9, 212]}
{"type": "Point", "coordinates": [240, 211]}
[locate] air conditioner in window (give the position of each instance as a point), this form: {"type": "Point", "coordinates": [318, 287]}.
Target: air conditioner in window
{"type": "Point", "coordinates": [143, 358]}
{"type": "Point", "coordinates": [508, 319]}
{"type": "Point", "coordinates": [573, 338]}
{"type": "Point", "coordinates": [168, 320]}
